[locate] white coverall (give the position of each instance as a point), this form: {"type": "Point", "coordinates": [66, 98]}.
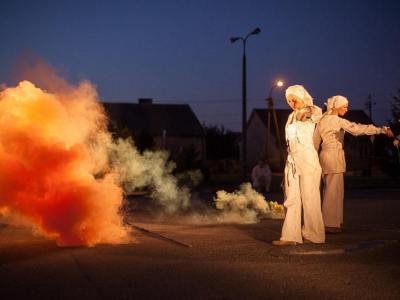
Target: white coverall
{"type": "Point", "coordinates": [302, 181]}
{"type": "Point", "coordinates": [331, 130]}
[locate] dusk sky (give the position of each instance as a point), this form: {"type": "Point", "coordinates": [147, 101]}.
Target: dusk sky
{"type": "Point", "coordinates": [179, 51]}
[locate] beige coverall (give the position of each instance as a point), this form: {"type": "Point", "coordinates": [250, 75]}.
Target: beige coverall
{"type": "Point", "coordinates": [302, 180]}
{"type": "Point", "coordinates": [331, 130]}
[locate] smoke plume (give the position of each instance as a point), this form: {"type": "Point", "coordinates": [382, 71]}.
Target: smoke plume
{"type": "Point", "coordinates": [62, 172]}
{"type": "Point", "coordinates": [50, 153]}
{"type": "Point", "coordinates": [151, 170]}
{"type": "Point", "coordinates": [243, 206]}
{"type": "Point", "coordinates": [246, 206]}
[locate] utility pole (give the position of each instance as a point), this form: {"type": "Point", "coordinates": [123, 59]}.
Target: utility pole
{"type": "Point", "coordinates": [368, 104]}
{"type": "Point", "coordinates": [271, 109]}
{"type": "Point", "coordinates": [244, 99]}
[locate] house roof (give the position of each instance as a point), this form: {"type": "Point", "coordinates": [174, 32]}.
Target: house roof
{"type": "Point", "coordinates": [175, 119]}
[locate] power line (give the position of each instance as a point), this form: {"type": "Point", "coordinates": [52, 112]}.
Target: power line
{"type": "Point", "coordinates": [208, 101]}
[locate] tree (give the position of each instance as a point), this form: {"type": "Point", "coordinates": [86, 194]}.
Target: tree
{"type": "Point", "coordinates": [221, 143]}
{"type": "Point", "coordinates": [142, 139]}
{"type": "Point", "coordinates": [392, 152]}
{"type": "Point", "coordinates": [395, 122]}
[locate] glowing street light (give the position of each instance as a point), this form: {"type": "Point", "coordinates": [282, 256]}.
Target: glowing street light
{"type": "Point", "coordinates": [270, 103]}
{"type": "Point", "coordinates": [244, 98]}
{"type": "Point", "coordinates": [278, 83]}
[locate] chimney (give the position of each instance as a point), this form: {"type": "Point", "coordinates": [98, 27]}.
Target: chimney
{"type": "Point", "coordinates": [145, 101]}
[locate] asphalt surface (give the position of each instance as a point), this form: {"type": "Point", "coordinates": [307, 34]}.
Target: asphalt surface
{"type": "Point", "coordinates": [172, 259]}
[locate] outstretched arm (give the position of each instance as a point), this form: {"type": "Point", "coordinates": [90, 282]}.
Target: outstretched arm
{"type": "Point", "coordinates": [360, 129]}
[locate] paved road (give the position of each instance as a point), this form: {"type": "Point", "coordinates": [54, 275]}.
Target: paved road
{"type": "Point", "coordinates": [224, 262]}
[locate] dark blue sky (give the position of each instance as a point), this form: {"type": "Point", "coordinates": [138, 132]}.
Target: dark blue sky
{"type": "Point", "coordinates": [179, 51]}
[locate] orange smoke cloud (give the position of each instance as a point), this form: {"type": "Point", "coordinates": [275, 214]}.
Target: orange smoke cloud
{"type": "Point", "coordinates": [53, 165]}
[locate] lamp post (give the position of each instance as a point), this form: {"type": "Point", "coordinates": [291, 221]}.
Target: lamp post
{"type": "Point", "coordinates": [244, 98]}
{"type": "Point", "coordinates": [271, 109]}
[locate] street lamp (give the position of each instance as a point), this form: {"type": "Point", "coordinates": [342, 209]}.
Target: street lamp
{"type": "Point", "coordinates": [270, 109]}
{"type": "Point", "coordinates": [244, 98]}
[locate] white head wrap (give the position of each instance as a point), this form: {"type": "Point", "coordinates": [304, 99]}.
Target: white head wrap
{"type": "Point", "coordinates": [335, 102]}
{"type": "Point", "coordinates": [299, 92]}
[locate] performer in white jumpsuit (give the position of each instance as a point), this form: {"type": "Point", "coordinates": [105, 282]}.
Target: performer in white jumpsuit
{"type": "Point", "coordinates": [302, 172]}
{"type": "Point", "coordinates": [330, 130]}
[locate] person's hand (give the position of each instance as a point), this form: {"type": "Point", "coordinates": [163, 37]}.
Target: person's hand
{"type": "Point", "coordinates": [300, 116]}
{"type": "Point", "coordinates": [388, 132]}
{"type": "Point", "coordinates": [304, 113]}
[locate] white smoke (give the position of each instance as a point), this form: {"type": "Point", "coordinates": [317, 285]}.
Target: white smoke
{"type": "Point", "coordinates": [246, 206]}
{"type": "Point", "coordinates": [150, 170]}
{"type": "Point", "coordinates": [243, 206]}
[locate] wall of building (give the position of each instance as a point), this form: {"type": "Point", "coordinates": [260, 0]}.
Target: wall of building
{"type": "Point", "coordinates": [257, 144]}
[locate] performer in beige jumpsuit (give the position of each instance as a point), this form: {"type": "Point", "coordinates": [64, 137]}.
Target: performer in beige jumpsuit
{"type": "Point", "coordinates": [302, 172]}
{"type": "Point", "coordinates": [330, 130]}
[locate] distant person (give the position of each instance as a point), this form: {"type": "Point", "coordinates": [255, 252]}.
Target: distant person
{"type": "Point", "coordinates": [261, 176]}
{"type": "Point", "coordinates": [331, 129]}
{"type": "Point", "coordinates": [302, 175]}
{"type": "Point", "coordinates": [396, 141]}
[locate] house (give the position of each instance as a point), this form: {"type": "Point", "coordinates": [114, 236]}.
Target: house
{"type": "Point", "coordinates": [263, 143]}
{"type": "Point", "coordinates": [173, 127]}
